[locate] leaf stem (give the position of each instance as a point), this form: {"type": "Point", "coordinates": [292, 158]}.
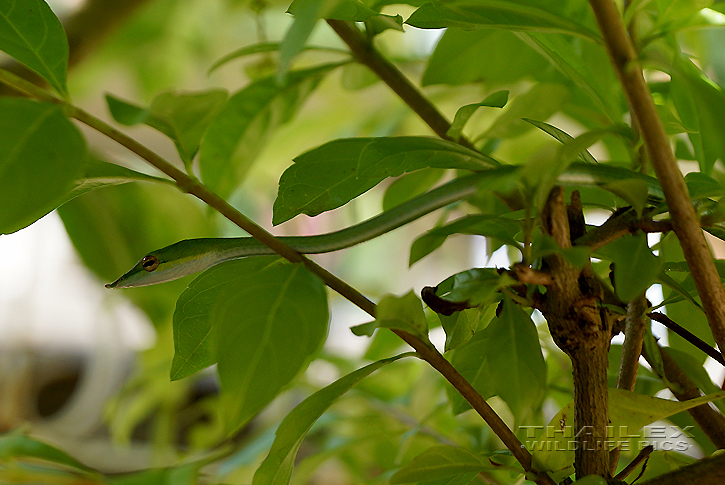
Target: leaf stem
{"type": "Point", "coordinates": [684, 219]}
{"type": "Point", "coordinates": [364, 51]}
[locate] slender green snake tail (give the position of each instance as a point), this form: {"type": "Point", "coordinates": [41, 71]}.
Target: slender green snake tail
{"type": "Point", "coordinates": [193, 255]}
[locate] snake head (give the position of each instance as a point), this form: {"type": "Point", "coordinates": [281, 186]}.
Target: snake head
{"type": "Point", "coordinates": [142, 274]}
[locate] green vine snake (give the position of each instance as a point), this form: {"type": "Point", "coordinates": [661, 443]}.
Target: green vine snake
{"type": "Point", "coordinates": [193, 255]}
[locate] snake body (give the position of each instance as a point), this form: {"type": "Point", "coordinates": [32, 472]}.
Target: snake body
{"type": "Point", "coordinates": [193, 255]}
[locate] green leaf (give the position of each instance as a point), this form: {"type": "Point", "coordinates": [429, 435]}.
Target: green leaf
{"type": "Point", "coordinates": [505, 359]}
{"type": "Point", "coordinates": [635, 267]}
{"type": "Point", "coordinates": [439, 462]}
{"type": "Point", "coordinates": [268, 324]}
{"type": "Point", "coordinates": [193, 324]}
{"type": "Point", "coordinates": [509, 15]}
{"type": "Point", "coordinates": [183, 117]}
{"type": "Point", "coordinates": [17, 444]}
{"type": "Point", "coordinates": [462, 325]}
{"type": "Point", "coordinates": [276, 469]}
{"type": "Point", "coordinates": [495, 100]}
{"type": "Point", "coordinates": [478, 224]}
{"type": "Point", "coordinates": [394, 156]}
{"type": "Point", "coordinates": [41, 156]}
{"type": "Point", "coordinates": [634, 191]}
{"type": "Point", "coordinates": [457, 59]}
{"type": "Point", "coordinates": [561, 136]}
{"type": "Point", "coordinates": [700, 104]}
{"type": "Point", "coordinates": [245, 124]}
{"type": "Point", "coordinates": [321, 179]}
{"type": "Point", "coordinates": [477, 286]}
{"type": "Point", "coordinates": [628, 413]}
{"type": "Point", "coordinates": [263, 47]}
{"type": "Point", "coordinates": [703, 186]}
{"type": "Point", "coordinates": [398, 312]}
{"type": "Point", "coordinates": [331, 175]}
{"type": "Point", "coordinates": [32, 34]}
{"type": "Point", "coordinates": [666, 280]}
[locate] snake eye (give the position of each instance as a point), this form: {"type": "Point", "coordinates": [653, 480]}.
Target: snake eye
{"type": "Point", "coordinates": [150, 263]}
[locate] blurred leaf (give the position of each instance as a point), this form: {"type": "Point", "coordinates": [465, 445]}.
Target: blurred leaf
{"type": "Point", "coordinates": [701, 106]}
{"type": "Point", "coordinates": [561, 136]}
{"type": "Point", "coordinates": [703, 186]}
{"type": "Point", "coordinates": [331, 175]}
{"type": "Point", "coordinates": [356, 76]}
{"type": "Point", "coordinates": [410, 185]}
{"type": "Point", "coordinates": [307, 13]}
{"type": "Point", "coordinates": [97, 174]}
{"type": "Point", "coordinates": [276, 469]}
{"type": "Point", "coordinates": [268, 324]}
{"type": "Point", "coordinates": [113, 228]}
{"type": "Point", "coordinates": [240, 131]}
{"type": "Point", "coordinates": [562, 54]}
{"type": "Point", "coordinates": [509, 15]}
{"type": "Point", "coordinates": [441, 461]}
{"type": "Point", "coordinates": [400, 313]}
{"type": "Point", "coordinates": [183, 117]}
{"type": "Point", "coordinates": [17, 444]}
{"type": "Point", "coordinates": [539, 102]}
{"type": "Point", "coordinates": [457, 59]}
{"type": "Point", "coordinates": [185, 474]}
{"type": "Point", "coordinates": [505, 359]}
{"type": "Point", "coordinates": [32, 34]}
{"type": "Point", "coordinates": [495, 100]}
{"type": "Point", "coordinates": [41, 156]}
{"type": "Point", "coordinates": [478, 224]}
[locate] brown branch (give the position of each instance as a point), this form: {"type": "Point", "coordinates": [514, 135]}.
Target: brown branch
{"type": "Point", "coordinates": [363, 50]}
{"type": "Point", "coordinates": [684, 219]}
{"type": "Point", "coordinates": [632, 347]}
{"type": "Point", "coordinates": [579, 328]}
{"type": "Point", "coordinates": [708, 419]}
{"type": "Point", "coordinates": [634, 331]}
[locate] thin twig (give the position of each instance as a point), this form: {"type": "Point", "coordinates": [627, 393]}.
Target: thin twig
{"type": "Point", "coordinates": [643, 455]}
{"type": "Point", "coordinates": [687, 335]}
{"type": "Point", "coordinates": [365, 53]}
